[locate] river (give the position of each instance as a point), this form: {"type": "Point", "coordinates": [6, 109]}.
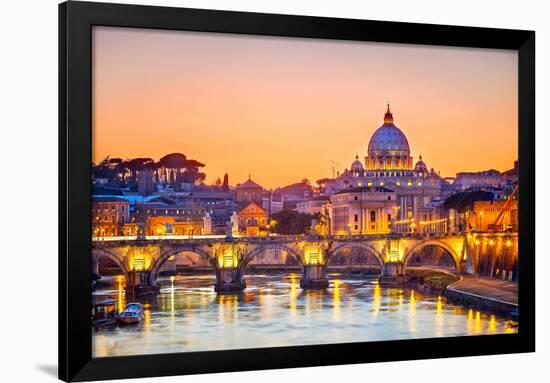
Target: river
{"type": "Point", "coordinates": [187, 315]}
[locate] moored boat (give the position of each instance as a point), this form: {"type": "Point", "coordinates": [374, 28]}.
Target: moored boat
{"type": "Point", "coordinates": [105, 313]}
{"type": "Point", "coordinates": [132, 313]}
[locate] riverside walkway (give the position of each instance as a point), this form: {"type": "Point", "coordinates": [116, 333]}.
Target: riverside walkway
{"type": "Point", "coordinates": [491, 294]}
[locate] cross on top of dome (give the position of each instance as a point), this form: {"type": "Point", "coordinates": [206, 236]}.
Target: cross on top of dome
{"type": "Point", "coordinates": [388, 117]}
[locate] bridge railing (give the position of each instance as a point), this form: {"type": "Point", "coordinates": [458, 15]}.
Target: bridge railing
{"type": "Point", "coordinates": [274, 237]}
{"type": "Point", "coordinates": [265, 238]}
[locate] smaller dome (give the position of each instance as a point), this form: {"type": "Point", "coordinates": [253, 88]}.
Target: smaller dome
{"type": "Point", "coordinates": [357, 165]}
{"type": "Point", "coordinates": [420, 165]}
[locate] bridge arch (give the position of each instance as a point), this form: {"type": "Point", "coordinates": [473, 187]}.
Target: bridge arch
{"type": "Point", "coordinates": [103, 253]}
{"type": "Point", "coordinates": [362, 245]}
{"type": "Point", "coordinates": [419, 246]}
{"type": "Point", "coordinates": [260, 249]}
{"type": "Point", "coordinates": [168, 252]}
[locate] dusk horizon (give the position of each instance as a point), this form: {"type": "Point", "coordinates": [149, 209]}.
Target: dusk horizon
{"type": "Point", "coordinates": [292, 113]}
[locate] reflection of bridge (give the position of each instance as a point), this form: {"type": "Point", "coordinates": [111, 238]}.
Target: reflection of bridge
{"type": "Point", "coordinates": [141, 259]}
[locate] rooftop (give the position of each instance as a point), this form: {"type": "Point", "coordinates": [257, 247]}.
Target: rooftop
{"type": "Point", "coordinates": [366, 189]}
{"type": "Point", "coordinates": [249, 184]}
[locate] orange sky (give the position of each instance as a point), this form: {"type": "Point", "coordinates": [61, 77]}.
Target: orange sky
{"type": "Point", "coordinates": [282, 108]}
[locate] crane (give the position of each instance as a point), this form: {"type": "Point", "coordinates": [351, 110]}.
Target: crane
{"type": "Point", "coordinates": [497, 223]}
{"type": "Point", "coordinates": [334, 166]}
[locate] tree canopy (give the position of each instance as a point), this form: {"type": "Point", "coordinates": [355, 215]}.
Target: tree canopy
{"type": "Point", "coordinates": [292, 222]}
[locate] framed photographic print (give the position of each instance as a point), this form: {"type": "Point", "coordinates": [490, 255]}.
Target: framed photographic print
{"type": "Point", "coordinates": [248, 191]}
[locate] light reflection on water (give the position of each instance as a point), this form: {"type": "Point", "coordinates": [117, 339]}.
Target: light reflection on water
{"type": "Point", "coordinates": [187, 315]}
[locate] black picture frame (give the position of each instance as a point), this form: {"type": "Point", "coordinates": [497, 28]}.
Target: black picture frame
{"type": "Point", "coordinates": [75, 104]}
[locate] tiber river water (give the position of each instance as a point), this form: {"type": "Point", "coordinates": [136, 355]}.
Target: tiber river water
{"type": "Point", "coordinates": [273, 311]}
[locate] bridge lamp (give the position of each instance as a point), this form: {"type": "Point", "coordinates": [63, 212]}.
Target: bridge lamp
{"type": "Point", "coordinates": [138, 264]}
{"type": "Point", "coordinates": [393, 256]}
{"type": "Point", "coordinates": [313, 256]}
{"type": "Point", "coordinates": [228, 259]}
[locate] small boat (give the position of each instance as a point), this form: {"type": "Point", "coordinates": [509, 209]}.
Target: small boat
{"type": "Point", "coordinates": [105, 313]}
{"type": "Point", "coordinates": [132, 313]}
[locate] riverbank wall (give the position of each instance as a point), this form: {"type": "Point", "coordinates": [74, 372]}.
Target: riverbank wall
{"type": "Point", "coordinates": [468, 299]}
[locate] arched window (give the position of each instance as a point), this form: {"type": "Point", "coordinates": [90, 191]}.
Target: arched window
{"type": "Point", "coordinates": [372, 216]}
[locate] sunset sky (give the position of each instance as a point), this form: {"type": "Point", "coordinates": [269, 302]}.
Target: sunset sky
{"type": "Point", "coordinates": [282, 108]}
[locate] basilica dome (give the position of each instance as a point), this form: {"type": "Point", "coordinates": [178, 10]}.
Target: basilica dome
{"type": "Point", "coordinates": [357, 165]}
{"type": "Point", "coordinates": [420, 165]}
{"type": "Point", "coordinates": [388, 148]}
{"type": "Point", "coordinates": [388, 140]}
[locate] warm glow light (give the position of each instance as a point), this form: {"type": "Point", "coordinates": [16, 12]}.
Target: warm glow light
{"type": "Point", "coordinates": [336, 300]}
{"type": "Point", "coordinates": [508, 243]}
{"type": "Point", "coordinates": [439, 305]}
{"type": "Point", "coordinates": [313, 256]}
{"type": "Point", "coordinates": [492, 324]}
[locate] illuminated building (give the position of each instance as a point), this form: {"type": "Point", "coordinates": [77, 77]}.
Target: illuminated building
{"type": "Point", "coordinates": [312, 206]}
{"type": "Point", "coordinates": [483, 179]}
{"type": "Point", "coordinates": [252, 220]}
{"type": "Point", "coordinates": [389, 165]}
{"type": "Point", "coordinates": [109, 214]}
{"type": "Point", "coordinates": [486, 212]}
{"type": "Point", "coordinates": [362, 210]}
{"type": "Point", "coordinates": [219, 204]}
{"type": "Point", "coordinates": [272, 202]}
{"type": "Point", "coordinates": [165, 225]}
{"type": "Point", "coordinates": [168, 214]}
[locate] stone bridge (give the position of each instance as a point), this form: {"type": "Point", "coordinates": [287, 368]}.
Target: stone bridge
{"type": "Point", "coordinates": [141, 259]}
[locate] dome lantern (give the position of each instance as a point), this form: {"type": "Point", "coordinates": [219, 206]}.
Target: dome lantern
{"type": "Point", "coordinates": [388, 147]}
{"type": "Point", "coordinates": [388, 117]}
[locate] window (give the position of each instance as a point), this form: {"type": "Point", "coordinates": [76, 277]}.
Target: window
{"type": "Point", "coordinates": [389, 217]}
{"type": "Point", "coordinates": [373, 216]}
{"type": "Point", "coordinates": [389, 197]}
{"type": "Point", "coordinates": [355, 198]}
{"type": "Point", "coordinates": [356, 218]}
